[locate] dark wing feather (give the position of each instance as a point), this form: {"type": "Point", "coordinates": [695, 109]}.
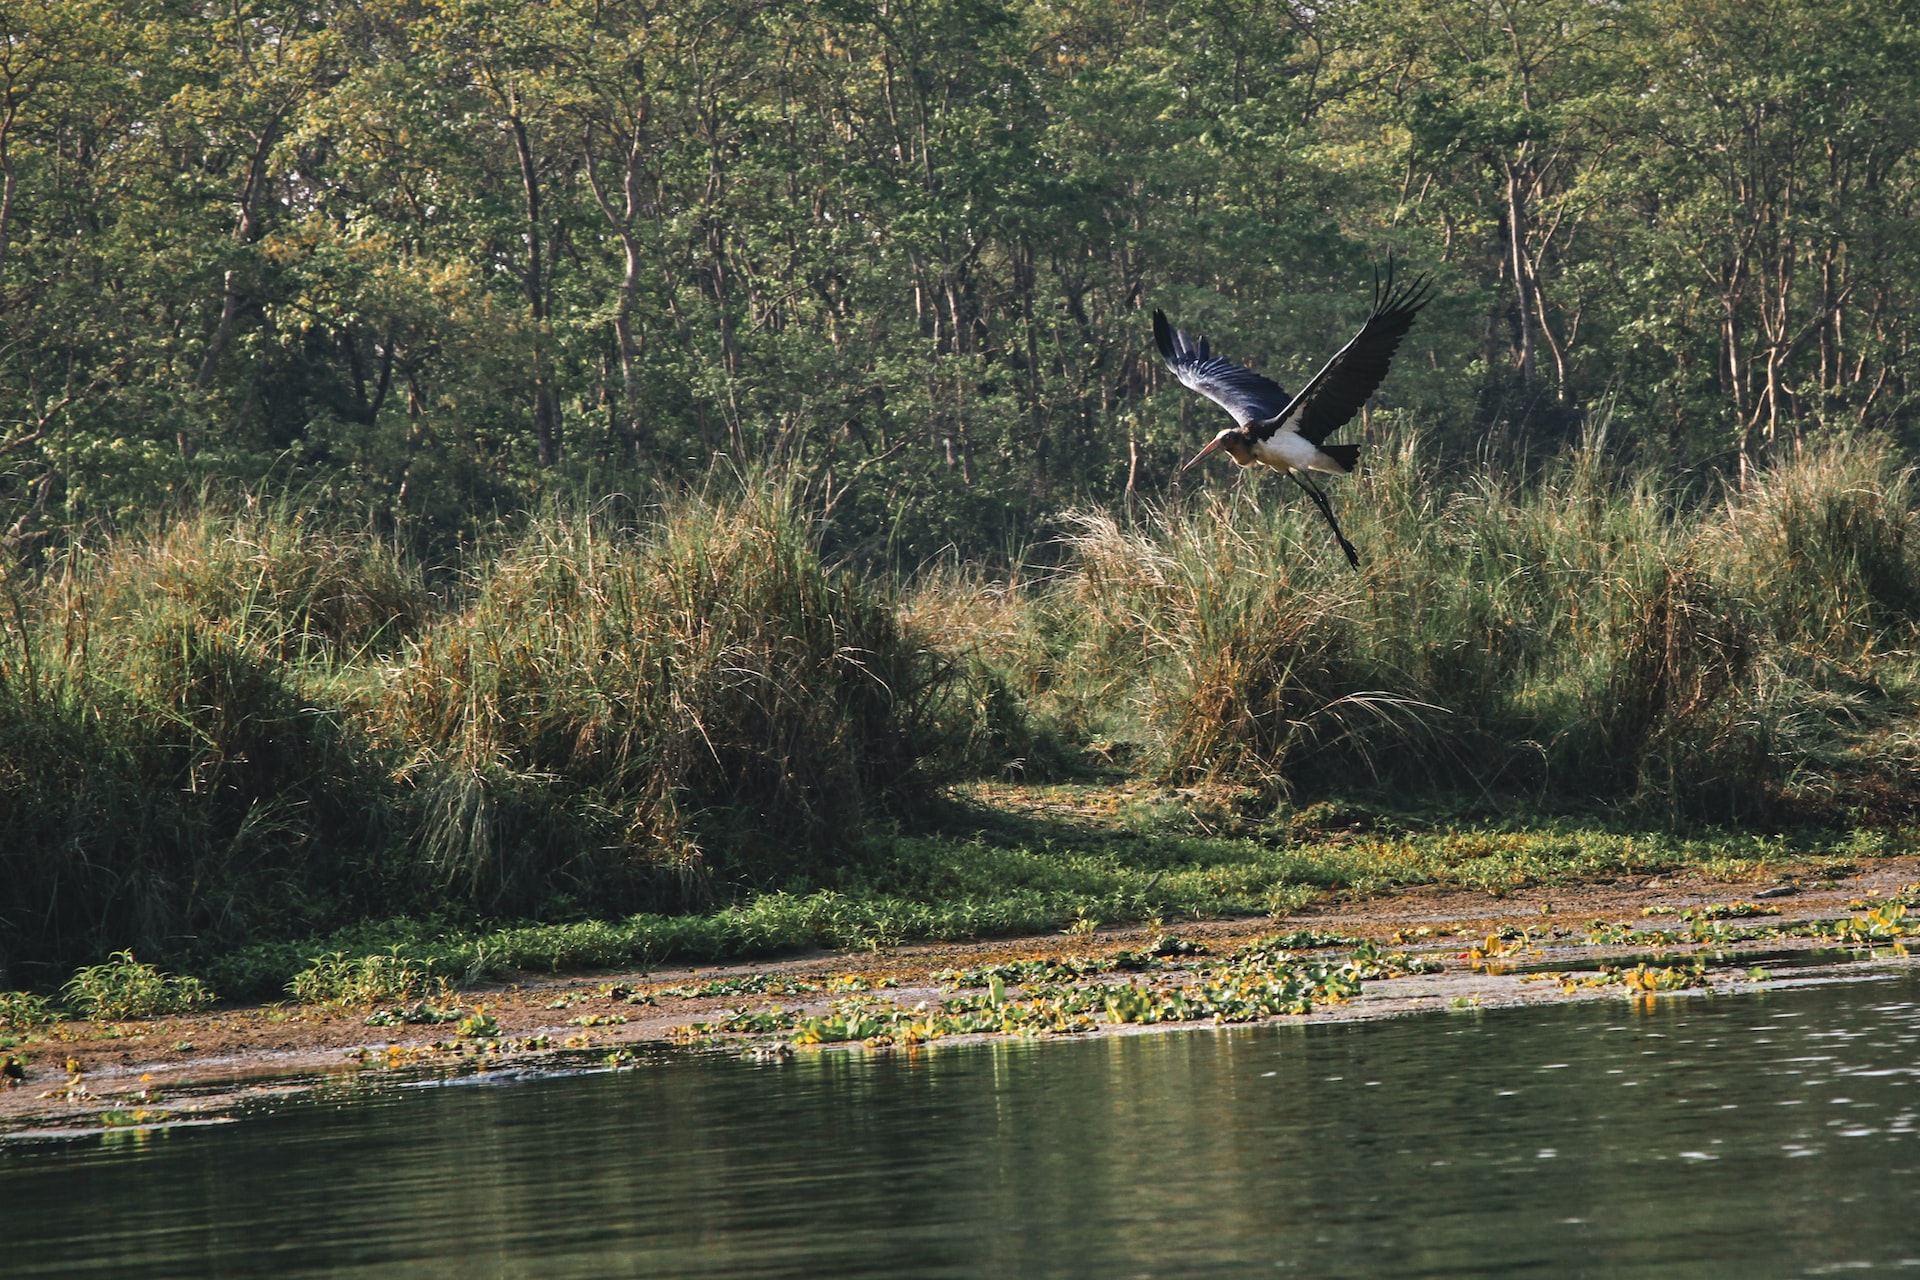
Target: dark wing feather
{"type": "Point", "coordinates": [1335, 394]}
{"type": "Point", "coordinates": [1237, 389]}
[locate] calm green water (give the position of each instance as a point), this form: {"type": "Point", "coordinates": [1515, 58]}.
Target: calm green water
{"type": "Point", "coordinates": [1764, 1135]}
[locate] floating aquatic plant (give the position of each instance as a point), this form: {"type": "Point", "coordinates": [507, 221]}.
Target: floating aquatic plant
{"type": "Point", "coordinates": [418, 1013]}
{"type": "Point", "coordinates": [1883, 924]}
{"type": "Point", "coordinates": [1062, 997]}
{"type": "Point", "coordinates": [477, 1026]}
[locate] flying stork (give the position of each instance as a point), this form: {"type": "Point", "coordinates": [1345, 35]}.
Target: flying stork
{"type": "Point", "coordinates": [1287, 433]}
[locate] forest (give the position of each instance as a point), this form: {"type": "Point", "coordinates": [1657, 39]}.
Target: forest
{"type": "Point", "coordinates": [470, 466]}
{"type": "Point", "coordinates": [432, 264]}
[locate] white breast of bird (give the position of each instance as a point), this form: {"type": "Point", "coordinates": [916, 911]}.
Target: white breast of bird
{"type": "Point", "coordinates": [1284, 451]}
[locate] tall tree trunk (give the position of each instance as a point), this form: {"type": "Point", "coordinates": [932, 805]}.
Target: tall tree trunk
{"type": "Point", "coordinates": [623, 333]}
{"type": "Point", "coordinates": [1736, 383]}
{"type": "Point", "coordinates": [222, 331]}
{"type": "Point", "coordinates": [6, 195]}
{"type": "Point", "coordinates": [622, 222]}
{"type": "Point", "coordinates": [386, 376]}
{"type": "Point", "coordinates": [246, 229]}
{"type": "Point", "coordinates": [546, 403]}
{"type": "Point", "coordinates": [1516, 238]}
{"type": "Point", "coordinates": [1133, 464]}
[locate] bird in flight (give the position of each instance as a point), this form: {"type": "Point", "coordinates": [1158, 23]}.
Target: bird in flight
{"type": "Point", "coordinates": [1288, 433]}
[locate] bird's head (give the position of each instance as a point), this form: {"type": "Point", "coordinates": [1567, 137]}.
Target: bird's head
{"type": "Point", "coordinates": [1236, 441]}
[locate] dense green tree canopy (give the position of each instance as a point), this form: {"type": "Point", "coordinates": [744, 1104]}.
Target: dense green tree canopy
{"type": "Point", "coordinates": [435, 258]}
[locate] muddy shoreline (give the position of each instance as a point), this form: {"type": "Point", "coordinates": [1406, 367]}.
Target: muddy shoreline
{"type": "Point", "coordinates": [204, 1067]}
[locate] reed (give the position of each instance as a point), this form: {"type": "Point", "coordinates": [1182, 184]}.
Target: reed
{"type": "Point", "coordinates": [173, 764]}
{"type": "Point", "coordinates": [1827, 548]}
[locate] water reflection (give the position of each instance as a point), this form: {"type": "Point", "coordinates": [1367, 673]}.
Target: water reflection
{"type": "Point", "coordinates": [1753, 1135]}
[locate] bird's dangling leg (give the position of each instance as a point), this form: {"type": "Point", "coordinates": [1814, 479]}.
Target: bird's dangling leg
{"type": "Point", "coordinates": [1326, 509]}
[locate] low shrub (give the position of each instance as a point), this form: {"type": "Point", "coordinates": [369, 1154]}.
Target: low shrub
{"type": "Point", "coordinates": [24, 1011]}
{"type": "Point", "coordinates": [123, 988]}
{"type": "Point", "coordinates": [336, 978]}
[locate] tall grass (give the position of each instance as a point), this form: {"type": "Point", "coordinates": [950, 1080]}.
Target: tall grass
{"type": "Point", "coordinates": [1583, 636]}
{"type": "Point", "coordinates": [243, 725]}
{"type": "Point", "coordinates": [169, 763]}
{"type": "Point", "coordinates": [701, 696]}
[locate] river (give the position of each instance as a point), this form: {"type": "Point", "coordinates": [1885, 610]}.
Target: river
{"type": "Point", "coordinates": [1770, 1134]}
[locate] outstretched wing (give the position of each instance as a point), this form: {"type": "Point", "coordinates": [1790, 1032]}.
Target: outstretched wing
{"type": "Point", "coordinates": [1335, 394]}
{"type": "Point", "coordinates": [1237, 389]}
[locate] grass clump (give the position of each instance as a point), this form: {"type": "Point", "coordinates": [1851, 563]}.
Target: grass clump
{"type": "Point", "coordinates": [123, 988]}
{"type": "Point", "coordinates": [702, 697]}
{"type": "Point", "coordinates": [275, 575]}
{"type": "Point", "coordinates": [1827, 547]}
{"type": "Point", "coordinates": [1579, 638]}
{"type": "Point", "coordinates": [175, 755]}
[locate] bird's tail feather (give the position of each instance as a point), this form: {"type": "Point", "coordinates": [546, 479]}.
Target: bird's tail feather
{"type": "Point", "coordinates": [1347, 455]}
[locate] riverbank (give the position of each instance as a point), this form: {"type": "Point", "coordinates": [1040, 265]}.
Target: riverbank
{"type": "Point", "coordinates": [1405, 952]}
{"type": "Point", "coordinates": [246, 737]}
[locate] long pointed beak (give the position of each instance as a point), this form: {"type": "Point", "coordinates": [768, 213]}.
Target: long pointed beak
{"type": "Point", "coordinates": [1203, 454]}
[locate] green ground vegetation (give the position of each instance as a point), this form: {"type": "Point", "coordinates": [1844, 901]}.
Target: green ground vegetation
{"type": "Point", "coordinates": [1013, 875]}
{"type": "Point", "coordinates": [121, 987]}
